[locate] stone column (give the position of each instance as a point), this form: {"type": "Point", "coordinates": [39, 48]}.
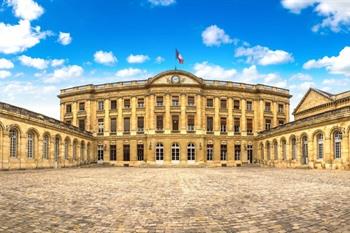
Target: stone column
{"type": "Point", "coordinates": [167, 118]}
{"type": "Point", "coordinates": [274, 112]}
{"type": "Point", "coordinates": [216, 123]}
{"type": "Point", "coordinates": [133, 118]}
{"type": "Point", "coordinates": [107, 119]}
{"type": "Point", "coordinates": [230, 116]}
{"type": "Point", "coordinates": [120, 126]}
{"type": "Point", "coordinates": [182, 122]}
{"type": "Point", "coordinates": [244, 118]}
{"type": "Point", "coordinates": [260, 114]}
{"type": "Point", "coordinates": [198, 118]}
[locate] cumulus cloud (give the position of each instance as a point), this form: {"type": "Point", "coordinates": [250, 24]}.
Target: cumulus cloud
{"type": "Point", "coordinates": [6, 64]}
{"type": "Point", "coordinates": [106, 58]}
{"type": "Point", "coordinates": [301, 77]}
{"type": "Point", "coordinates": [26, 9]}
{"type": "Point", "coordinates": [335, 65]}
{"type": "Point", "coordinates": [64, 73]}
{"type": "Point", "coordinates": [57, 62]}
{"type": "Point", "coordinates": [64, 38]}
{"type": "Point", "coordinates": [335, 13]}
{"type": "Point", "coordinates": [131, 72]}
{"type": "Point", "coordinates": [4, 74]}
{"type": "Point", "coordinates": [212, 71]}
{"type": "Point", "coordinates": [215, 36]}
{"type": "Point", "coordinates": [263, 56]}
{"type": "Point", "coordinates": [137, 59]}
{"type": "Point", "coordinates": [162, 2]}
{"type": "Point", "coordinates": [159, 60]}
{"type": "Point", "coordinates": [37, 63]}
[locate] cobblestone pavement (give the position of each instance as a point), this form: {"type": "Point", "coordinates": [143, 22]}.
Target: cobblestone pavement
{"type": "Point", "coordinates": [175, 200]}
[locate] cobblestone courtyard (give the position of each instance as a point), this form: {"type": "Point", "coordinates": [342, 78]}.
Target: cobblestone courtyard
{"type": "Point", "coordinates": [175, 200]}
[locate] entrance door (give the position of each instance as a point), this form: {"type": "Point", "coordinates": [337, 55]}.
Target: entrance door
{"type": "Point", "coordinates": [250, 153]}
{"type": "Point", "coordinates": [126, 152]}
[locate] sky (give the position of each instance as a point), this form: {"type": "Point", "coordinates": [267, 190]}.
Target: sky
{"type": "Point", "coordinates": [48, 45]}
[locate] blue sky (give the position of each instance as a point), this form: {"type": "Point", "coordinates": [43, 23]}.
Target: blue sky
{"type": "Point", "coordinates": [49, 45]}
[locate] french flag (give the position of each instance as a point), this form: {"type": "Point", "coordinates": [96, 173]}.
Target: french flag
{"type": "Point", "coordinates": [179, 57]}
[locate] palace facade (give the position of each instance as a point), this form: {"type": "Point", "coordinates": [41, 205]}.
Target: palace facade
{"type": "Point", "coordinates": [178, 119]}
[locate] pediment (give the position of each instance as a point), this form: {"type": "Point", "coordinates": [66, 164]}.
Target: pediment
{"type": "Point", "coordinates": [312, 99]}
{"type": "Point", "coordinates": [175, 78]}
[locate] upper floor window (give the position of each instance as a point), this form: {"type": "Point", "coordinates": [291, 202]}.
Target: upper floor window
{"type": "Point", "coordinates": [190, 101]}
{"type": "Point", "coordinates": [175, 122]}
{"type": "Point", "coordinates": [223, 103]}
{"type": "Point", "coordinates": [267, 107]}
{"type": "Point", "coordinates": [267, 124]}
{"type": "Point", "coordinates": [82, 124]}
{"type": "Point", "coordinates": [113, 104]}
{"type": "Point", "coordinates": [113, 125]}
{"type": "Point", "coordinates": [210, 121]}
{"type": "Point", "coordinates": [140, 124]}
{"type": "Point", "coordinates": [82, 106]}
{"type": "Point", "coordinates": [223, 125]}
{"type": "Point", "coordinates": [126, 124]}
{"type": "Point", "coordinates": [249, 126]}
{"type": "Point", "coordinates": [190, 123]}
{"type": "Point", "coordinates": [249, 106]}
{"type": "Point", "coordinates": [210, 102]}
{"type": "Point", "coordinates": [140, 102]}
{"type": "Point", "coordinates": [159, 101]}
{"type": "Point", "coordinates": [280, 108]}
{"type": "Point", "coordinates": [175, 101]}
{"type": "Point", "coordinates": [159, 122]}
{"type": "Point", "coordinates": [127, 103]}
{"type": "Point", "coordinates": [68, 108]}
{"type": "Point", "coordinates": [100, 105]}
{"type": "Point", "coordinates": [100, 126]}
{"type": "Point", "coordinates": [236, 104]}
{"type": "Point", "coordinates": [237, 125]}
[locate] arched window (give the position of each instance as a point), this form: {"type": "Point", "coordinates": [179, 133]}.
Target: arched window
{"type": "Point", "coordinates": [284, 150]}
{"type": "Point", "coordinates": [268, 151]}
{"type": "Point", "coordinates": [337, 144]}
{"type": "Point", "coordinates": [46, 143]}
{"type": "Point", "coordinates": [275, 150]}
{"type": "Point", "coordinates": [319, 146]}
{"type": "Point", "coordinates": [305, 149]}
{"type": "Point", "coordinates": [175, 152]}
{"type": "Point", "coordinates": [30, 145]}
{"type": "Point", "coordinates": [66, 149]}
{"type": "Point", "coordinates": [159, 151]}
{"type": "Point", "coordinates": [13, 142]}
{"type": "Point", "coordinates": [191, 152]}
{"type": "Point", "coordinates": [57, 148]}
{"type": "Point", "coordinates": [294, 148]}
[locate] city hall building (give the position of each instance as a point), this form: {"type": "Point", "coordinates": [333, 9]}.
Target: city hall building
{"type": "Point", "coordinates": [178, 119]}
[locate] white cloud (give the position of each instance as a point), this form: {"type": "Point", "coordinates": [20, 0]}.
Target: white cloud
{"type": "Point", "coordinates": [37, 63]}
{"type": "Point", "coordinates": [4, 74]}
{"type": "Point", "coordinates": [19, 37]}
{"type": "Point", "coordinates": [64, 38]}
{"type": "Point", "coordinates": [215, 36]}
{"type": "Point", "coordinates": [211, 71]}
{"type": "Point", "coordinates": [159, 60]}
{"type": "Point", "coordinates": [64, 73]}
{"type": "Point", "coordinates": [131, 72]}
{"type": "Point", "coordinates": [133, 59]}
{"type": "Point", "coordinates": [263, 55]}
{"type": "Point", "coordinates": [335, 13]}
{"type": "Point", "coordinates": [162, 2]}
{"type": "Point", "coordinates": [6, 64]}
{"type": "Point", "coordinates": [106, 58]}
{"type": "Point", "coordinates": [301, 77]}
{"type": "Point", "coordinates": [57, 62]}
{"type": "Point", "coordinates": [335, 65]}
{"type": "Point", "coordinates": [26, 9]}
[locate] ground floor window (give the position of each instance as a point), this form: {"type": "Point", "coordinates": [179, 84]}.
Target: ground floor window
{"type": "Point", "coordinates": [113, 153]}
{"type": "Point", "coordinates": [223, 152]}
{"type": "Point", "coordinates": [126, 152]}
{"type": "Point", "coordinates": [237, 152]}
{"type": "Point", "coordinates": [175, 152]}
{"type": "Point", "coordinates": [250, 153]}
{"type": "Point", "coordinates": [140, 152]}
{"type": "Point", "coordinates": [210, 148]}
{"type": "Point", "coordinates": [159, 151]}
{"type": "Point", "coordinates": [99, 152]}
{"type": "Point", "coordinates": [191, 152]}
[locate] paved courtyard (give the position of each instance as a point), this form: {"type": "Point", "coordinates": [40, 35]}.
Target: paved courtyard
{"type": "Point", "coordinates": [175, 200]}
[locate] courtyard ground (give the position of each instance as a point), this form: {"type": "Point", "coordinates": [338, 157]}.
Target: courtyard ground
{"type": "Point", "coordinates": [175, 200]}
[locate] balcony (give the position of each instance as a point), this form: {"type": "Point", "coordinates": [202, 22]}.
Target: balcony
{"type": "Point", "coordinates": [140, 131]}
{"type": "Point", "coordinates": [127, 110]}
{"type": "Point", "coordinates": [190, 129]}
{"type": "Point", "coordinates": [223, 110]}
{"type": "Point", "coordinates": [175, 108]}
{"type": "Point", "coordinates": [81, 113]}
{"type": "Point", "coordinates": [191, 108]}
{"type": "Point", "coordinates": [159, 108]}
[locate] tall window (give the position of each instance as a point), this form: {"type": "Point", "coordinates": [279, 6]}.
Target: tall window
{"type": "Point", "coordinates": [249, 126]}
{"type": "Point", "coordinates": [140, 152]}
{"type": "Point", "coordinates": [223, 152]}
{"type": "Point", "coordinates": [284, 150]}
{"type": "Point", "coordinates": [223, 125]}
{"type": "Point", "coordinates": [81, 106]}
{"type": "Point", "coordinates": [140, 124]}
{"type": "Point", "coordinates": [140, 103]}
{"type": "Point", "coordinates": [159, 151]}
{"type": "Point", "coordinates": [175, 152]}
{"type": "Point", "coordinates": [250, 153]}
{"type": "Point", "coordinates": [237, 125]}
{"type": "Point", "coordinates": [210, 150]}
{"type": "Point", "coordinates": [30, 145]}
{"type": "Point", "coordinates": [175, 122]}
{"type": "Point", "coordinates": [126, 124]}
{"type": "Point", "coordinates": [237, 152]}
{"type": "Point", "coordinates": [210, 102]}
{"type": "Point", "coordinates": [175, 101]}
{"type": "Point", "coordinates": [294, 148]}
{"type": "Point", "coordinates": [126, 103]}
{"type": "Point", "coordinates": [126, 152]}
{"type": "Point", "coordinates": [68, 108]}
{"type": "Point", "coordinates": [100, 152]}
{"type": "Point", "coordinates": [275, 150]}
{"type": "Point", "coordinates": [57, 148]}
{"type": "Point", "coordinates": [280, 108]}
{"type": "Point", "coordinates": [13, 142]}
{"type": "Point", "coordinates": [113, 152]}
{"type": "Point", "coordinates": [319, 146]}
{"type": "Point", "coordinates": [66, 149]}
{"type": "Point", "coordinates": [267, 124]}
{"type": "Point", "coordinates": [190, 101]}
{"type": "Point", "coordinates": [223, 104]}
{"type": "Point", "coordinates": [236, 104]}
{"type": "Point", "coordinates": [210, 124]}
{"type": "Point", "coordinates": [190, 123]}
{"type": "Point", "coordinates": [159, 122]}
{"type": "Point", "coordinates": [337, 144]}
{"type": "Point", "coordinates": [191, 152]}
{"type": "Point", "coordinates": [159, 101]}
{"type": "Point", "coordinates": [267, 107]}
{"type": "Point", "coordinates": [113, 104]}
{"type": "Point", "coordinates": [305, 149]}
{"type": "Point", "coordinates": [46, 143]}
{"type": "Point", "coordinates": [101, 126]}
{"type": "Point", "coordinates": [82, 124]}
{"type": "Point", "coordinates": [268, 151]}
{"type": "Point", "coordinates": [113, 125]}
{"type": "Point", "coordinates": [100, 105]}
{"type": "Point", "coordinates": [249, 106]}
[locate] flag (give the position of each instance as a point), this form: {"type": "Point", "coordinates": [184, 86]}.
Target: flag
{"type": "Point", "coordinates": [179, 57]}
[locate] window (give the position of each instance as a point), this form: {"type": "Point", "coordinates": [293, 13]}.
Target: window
{"type": "Point", "coordinates": [57, 148]}
{"type": "Point", "coordinates": [140, 152]}
{"type": "Point", "coordinates": [210, 150]}
{"type": "Point", "coordinates": [82, 124]}
{"type": "Point", "coordinates": [294, 149]}
{"type": "Point", "coordinates": [126, 124]}
{"type": "Point", "coordinates": [46, 143]}
{"type": "Point", "coordinates": [210, 102]}
{"type": "Point", "coordinates": [126, 103]}
{"type": "Point", "coordinates": [237, 152]}
{"type": "Point", "coordinates": [68, 108]}
{"type": "Point", "coordinates": [267, 124]}
{"type": "Point", "coordinates": [275, 150]}
{"type": "Point", "coordinates": [267, 107]}
{"type": "Point", "coordinates": [223, 125]}
{"type": "Point", "coordinates": [280, 108]}
{"type": "Point", "coordinates": [175, 122]}
{"type": "Point", "coordinates": [159, 101]}
{"type": "Point", "coordinates": [237, 125]}
{"type": "Point", "coordinates": [337, 144]}
{"type": "Point", "coordinates": [159, 122]}
{"type": "Point", "coordinates": [100, 126]}
{"type": "Point", "coordinates": [210, 124]}
{"type": "Point", "coordinates": [190, 101]}
{"type": "Point", "coordinates": [268, 151]}
{"type": "Point", "coordinates": [175, 152]}
{"type": "Point", "coordinates": [66, 149]}
{"type": "Point", "coordinates": [280, 122]}
{"type": "Point", "coordinates": [99, 152]}
{"type": "Point", "coordinates": [236, 104]}
{"type": "Point", "coordinates": [223, 104]}
{"type": "Point", "coordinates": [320, 146]}
{"type": "Point", "coordinates": [191, 152]}
{"type": "Point", "coordinates": [113, 125]}
{"type": "Point", "coordinates": [159, 152]}
{"type": "Point", "coordinates": [140, 103]}
{"type": "Point", "coordinates": [113, 152]}
{"type": "Point", "coordinates": [305, 149]}
{"type": "Point", "coordinates": [30, 145]}
{"type": "Point", "coordinates": [175, 101]}
{"type": "Point", "coordinates": [223, 152]}
{"type": "Point", "coordinates": [113, 104]}
{"type": "Point", "coordinates": [250, 153]}
{"type": "Point", "coordinates": [284, 150]}
{"type": "Point", "coordinates": [126, 152]}
{"type": "Point", "coordinates": [82, 106]}
{"type": "Point", "coordinates": [140, 124]}
{"type": "Point", "coordinates": [190, 123]}
{"type": "Point", "coordinates": [249, 106]}
{"type": "Point", "coordinates": [101, 106]}
{"type": "Point", "coordinates": [249, 126]}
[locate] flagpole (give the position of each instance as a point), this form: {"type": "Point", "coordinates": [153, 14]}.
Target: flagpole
{"type": "Point", "coordinates": [175, 59]}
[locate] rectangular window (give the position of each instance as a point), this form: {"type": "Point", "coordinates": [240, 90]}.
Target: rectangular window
{"type": "Point", "coordinates": [280, 108]}
{"type": "Point", "coordinates": [159, 122]}
{"type": "Point", "coordinates": [127, 103]}
{"type": "Point", "coordinates": [237, 152]}
{"type": "Point", "coordinates": [190, 101]}
{"type": "Point", "coordinates": [236, 104]}
{"type": "Point", "coordinates": [140, 124]}
{"type": "Point", "coordinates": [190, 123]}
{"type": "Point", "coordinates": [113, 125]}
{"type": "Point", "coordinates": [140, 152]}
{"type": "Point", "coordinates": [280, 122]}
{"type": "Point", "coordinates": [223, 104]}
{"type": "Point", "coordinates": [100, 105]}
{"type": "Point", "coordinates": [267, 107]}
{"type": "Point", "coordinates": [68, 108]}
{"type": "Point", "coordinates": [113, 104]}
{"type": "Point", "coordinates": [237, 125]}
{"type": "Point", "coordinates": [140, 103]}
{"type": "Point", "coordinates": [99, 152]}
{"type": "Point", "coordinates": [175, 101]}
{"type": "Point", "coordinates": [249, 106]}
{"type": "Point", "coordinates": [223, 125]}
{"type": "Point", "coordinates": [210, 122]}
{"type": "Point", "coordinates": [100, 126]}
{"type": "Point", "coordinates": [210, 102]}
{"type": "Point", "coordinates": [175, 121]}
{"type": "Point", "coordinates": [159, 101]}
{"type": "Point", "coordinates": [82, 106]}
{"type": "Point", "coordinates": [249, 126]}
{"type": "Point", "coordinates": [210, 150]}
{"type": "Point", "coordinates": [126, 124]}
{"type": "Point", "coordinates": [82, 124]}
{"type": "Point", "coordinates": [267, 124]}
{"type": "Point", "coordinates": [223, 152]}
{"type": "Point", "coordinates": [113, 153]}
{"type": "Point", "coordinates": [126, 152]}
